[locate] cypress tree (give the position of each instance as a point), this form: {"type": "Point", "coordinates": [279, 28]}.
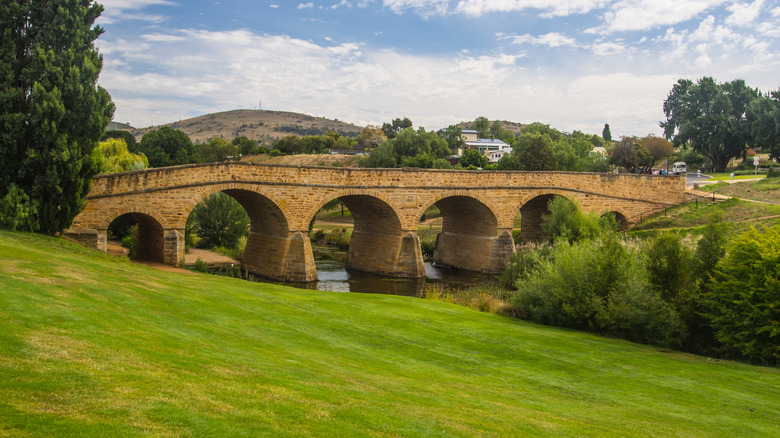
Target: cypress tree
{"type": "Point", "coordinates": [52, 112]}
{"type": "Point", "coordinates": [606, 134]}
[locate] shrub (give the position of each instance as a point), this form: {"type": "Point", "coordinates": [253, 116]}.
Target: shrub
{"type": "Point", "coordinates": [598, 286]}
{"type": "Point", "coordinates": [220, 221]}
{"type": "Point", "coordinates": [742, 303]}
{"type": "Point", "coordinates": [567, 221]}
{"type": "Point", "coordinates": [130, 241]}
{"type": "Point", "coordinates": [427, 247]}
{"type": "Point", "coordinates": [200, 265]}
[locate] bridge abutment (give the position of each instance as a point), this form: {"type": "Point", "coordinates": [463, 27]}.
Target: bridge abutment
{"type": "Point", "coordinates": [280, 258]}
{"type": "Point", "coordinates": [89, 237]}
{"type": "Point", "coordinates": [394, 256]}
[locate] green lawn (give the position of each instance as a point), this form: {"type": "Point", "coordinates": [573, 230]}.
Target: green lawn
{"type": "Point", "coordinates": [92, 345]}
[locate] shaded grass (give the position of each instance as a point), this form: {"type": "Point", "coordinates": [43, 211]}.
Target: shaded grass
{"type": "Point", "coordinates": [92, 345]}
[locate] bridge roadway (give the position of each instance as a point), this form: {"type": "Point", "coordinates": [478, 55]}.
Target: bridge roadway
{"type": "Point", "coordinates": [478, 209]}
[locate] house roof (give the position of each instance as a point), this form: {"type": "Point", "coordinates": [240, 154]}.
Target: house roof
{"type": "Point", "coordinates": [487, 141]}
{"type": "Point", "coordinates": [469, 131]}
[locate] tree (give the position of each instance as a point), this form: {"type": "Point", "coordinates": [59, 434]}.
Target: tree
{"type": "Point", "coordinates": [482, 126]}
{"type": "Point", "coordinates": [132, 145]}
{"type": "Point", "coordinates": [534, 152]}
{"type": "Point", "coordinates": [219, 221]}
{"type": "Point", "coordinates": [218, 149]}
{"type": "Point", "coordinates": [168, 147]}
{"type": "Point", "coordinates": [658, 147]}
{"type": "Point", "coordinates": [392, 129]}
{"type": "Point", "coordinates": [112, 156]}
{"type": "Point", "coordinates": [711, 117]}
{"type": "Point", "coordinates": [669, 267]}
{"type": "Point", "coordinates": [52, 112]}
{"type": "Point", "coordinates": [453, 135]}
{"type": "Point", "coordinates": [606, 134]}
{"type": "Point", "coordinates": [371, 137]}
{"type": "Point", "coordinates": [764, 116]}
{"type": "Point", "coordinates": [245, 145]}
{"type": "Point", "coordinates": [508, 162]}
{"type": "Point", "coordinates": [632, 156]}
{"type": "Point", "coordinates": [472, 157]}
{"type": "Point", "coordinates": [743, 299]}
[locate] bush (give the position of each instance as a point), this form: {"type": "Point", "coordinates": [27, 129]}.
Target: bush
{"type": "Point", "coordinates": [130, 241]}
{"type": "Point", "coordinates": [598, 286]}
{"type": "Point", "coordinates": [219, 221]}
{"type": "Point", "coordinates": [567, 221]}
{"type": "Point", "coordinates": [427, 247]}
{"type": "Point", "coordinates": [742, 303]}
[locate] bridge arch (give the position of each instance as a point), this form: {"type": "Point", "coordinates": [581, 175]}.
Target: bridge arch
{"type": "Point", "coordinates": [470, 238]}
{"type": "Point", "coordinates": [150, 240]}
{"type": "Point", "coordinates": [379, 243]}
{"type": "Point", "coordinates": [531, 212]}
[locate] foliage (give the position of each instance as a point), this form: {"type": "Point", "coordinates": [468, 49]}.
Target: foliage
{"type": "Point", "coordinates": [200, 265]}
{"type": "Point", "coordinates": [392, 129]}
{"type": "Point", "coordinates": [534, 152]}
{"type": "Point", "coordinates": [630, 154]}
{"type": "Point", "coordinates": [218, 149]}
{"type": "Point", "coordinates": [219, 221]}
{"type": "Point", "coordinates": [246, 146]}
{"type": "Point", "coordinates": [313, 144]}
{"type": "Point", "coordinates": [113, 156]}
{"type": "Point", "coordinates": [17, 211]}
{"type": "Point", "coordinates": [371, 137]}
{"type": "Point", "coordinates": [130, 241]}
{"type": "Point", "coordinates": [598, 285]}
{"type": "Point", "coordinates": [417, 146]}
{"type": "Point", "coordinates": [441, 163]}
{"type": "Point", "coordinates": [482, 126]}
{"type": "Point", "coordinates": [453, 135]}
{"type": "Point", "coordinates": [711, 247]}
{"type": "Point", "coordinates": [472, 157]}
{"type": "Point", "coordinates": [129, 139]}
{"type": "Point", "coordinates": [711, 117]}
{"type": "Point", "coordinates": [52, 112]}
{"type": "Point", "coordinates": [509, 162]}
{"type": "Point", "coordinates": [669, 264]}
{"type": "Point", "coordinates": [567, 221]}
{"type": "Point", "coordinates": [743, 299]}
{"type": "Point", "coordinates": [523, 264]}
{"type": "Point", "coordinates": [606, 134]}
{"type": "Point", "coordinates": [168, 147]}
{"type": "Point", "coordinates": [658, 147]}
{"type": "Point", "coordinates": [764, 116]}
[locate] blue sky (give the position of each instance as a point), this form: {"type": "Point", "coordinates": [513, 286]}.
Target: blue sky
{"type": "Point", "coordinates": [573, 64]}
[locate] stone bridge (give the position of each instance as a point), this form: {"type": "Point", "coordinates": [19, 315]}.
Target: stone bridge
{"type": "Point", "coordinates": [478, 210]}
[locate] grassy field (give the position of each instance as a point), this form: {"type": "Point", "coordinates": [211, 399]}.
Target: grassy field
{"type": "Point", "coordinates": [765, 190]}
{"type": "Point", "coordinates": [92, 345]}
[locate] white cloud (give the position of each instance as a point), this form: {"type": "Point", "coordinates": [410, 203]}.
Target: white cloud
{"type": "Point", "coordinates": [198, 72]}
{"type": "Point", "coordinates": [631, 15]}
{"type": "Point", "coordinates": [551, 8]}
{"type": "Point", "coordinates": [743, 14]}
{"type": "Point", "coordinates": [552, 39]}
{"type": "Point", "coordinates": [306, 5]}
{"type": "Point", "coordinates": [113, 10]}
{"type": "Point", "coordinates": [422, 7]}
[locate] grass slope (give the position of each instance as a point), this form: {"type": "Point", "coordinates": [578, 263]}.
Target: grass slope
{"type": "Point", "coordinates": [92, 345]}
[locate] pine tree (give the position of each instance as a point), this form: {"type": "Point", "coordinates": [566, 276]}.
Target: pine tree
{"type": "Point", "coordinates": [52, 113]}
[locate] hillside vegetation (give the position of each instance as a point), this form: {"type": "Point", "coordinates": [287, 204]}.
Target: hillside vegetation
{"type": "Point", "coordinates": [253, 124]}
{"type": "Point", "coordinates": [92, 345]}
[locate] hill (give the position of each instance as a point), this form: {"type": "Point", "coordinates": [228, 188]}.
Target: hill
{"type": "Point", "coordinates": [254, 124]}
{"type": "Point", "coordinates": [92, 345]}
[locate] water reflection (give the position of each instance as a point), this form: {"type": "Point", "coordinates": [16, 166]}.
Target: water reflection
{"type": "Point", "coordinates": [333, 276]}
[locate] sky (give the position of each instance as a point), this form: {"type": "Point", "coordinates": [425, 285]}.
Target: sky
{"type": "Point", "coordinates": [572, 64]}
